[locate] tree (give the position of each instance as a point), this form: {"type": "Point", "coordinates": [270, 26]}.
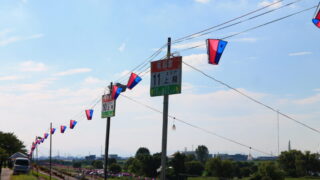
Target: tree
{"type": "Point", "coordinates": [115, 168]}
{"type": "Point", "coordinates": [97, 164]}
{"type": "Point", "coordinates": [220, 168]}
{"type": "Point", "coordinates": [112, 161]}
{"type": "Point", "coordinates": [202, 153]}
{"type": "Point", "coordinates": [77, 164]}
{"type": "Point", "coordinates": [11, 144]}
{"type": "Point", "coordinates": [142, 151]}
{"type": "Point", "coordinates": [297, 164]}
{"type": "Point", "coordinates": [268, 171]}
{"type": "Point", "coordinates": [194, 168]}
{"type": "Point", "coordinates": [177, 163]}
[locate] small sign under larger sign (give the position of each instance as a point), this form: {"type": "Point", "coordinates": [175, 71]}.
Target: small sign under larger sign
{"type": "Point", "coordinates": [108, 106]}
{"type": "Point", "coordinates": [166, 76]}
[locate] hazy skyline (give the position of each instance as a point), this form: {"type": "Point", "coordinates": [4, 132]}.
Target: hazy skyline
{"type": "Point", "coordinates": [57, 57]}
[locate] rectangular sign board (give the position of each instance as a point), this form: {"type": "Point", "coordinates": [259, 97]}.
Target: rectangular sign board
{"type": "Point", "coordinates": [108, 106]}
{"type": "Point", "coordinates": [166, 76]}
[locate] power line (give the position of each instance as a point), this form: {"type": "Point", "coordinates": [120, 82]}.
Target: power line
{"type": "Point", "coordinates": [253, 28]}
{"type": "Point", "coordinates": [197, 127]}
{"type": "Point", "coordinates": [209, 30]}
{"type": "Point", "coordinates": [251, 98]}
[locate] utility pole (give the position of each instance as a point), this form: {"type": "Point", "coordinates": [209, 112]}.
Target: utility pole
{"type": "Point", "coordinates": [50, 166]}
{"type": "Point", "coordinates": [37, 156]}
{"type": "Point", "coordinates": [278, 128]}
{"type": "Point", "coordinates": [107, 142]}
{"type": "Point", "coordinates": [165, 124]}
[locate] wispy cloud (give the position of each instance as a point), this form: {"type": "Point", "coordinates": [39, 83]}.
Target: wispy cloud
{"type": "Point", "coordinates": [4, 41]}
{"type": "Point", "coordinates": [300, 53]}
{"type": "Point", "coordinates": [310, 100]}
{"type": "Point", "coordinates": [267, 3]}
{"type": "Point", "coordinates": [201, 44]}
{"type": "Point", "coordinates": [202, 1]}
{"type": "Point", "coordinates": [32, 66]}
{"type": "Point", "coordinates": [247, 39]}
{"type": "Point", "coordinates": [73, 71]}
{"type": "Point", "coordinates": [10, 78]}
{"type": "Point", "coordinates": [92, 80]}
{"type": "Point", "coordinates": [122, 47]}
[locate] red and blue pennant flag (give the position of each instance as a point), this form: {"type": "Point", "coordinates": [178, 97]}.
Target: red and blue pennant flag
{"type": "Point", "coordinates": [72, 124]}
{"type": "Point", "coordinates": [53, 130]}
{"type": "Point", "coordinates": [89, 113]}
{"type": "Point", "coordinates": [45, 135]}
{"type": "Point", "coordinates": [316, 19]}
{"type": "Point", "coordinates": [215, 48]}
{"type": "Point", "coordinates": [115, 92]}
{"type": "Point", "coordinates": [42, 140]}
{"type": "Point", "coordinates": [133, 80]}
{"type": "Point", "coordinates": [63, 128]}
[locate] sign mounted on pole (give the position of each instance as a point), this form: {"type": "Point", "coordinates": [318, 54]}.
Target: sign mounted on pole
{"type": "Point", "coordinates": [166, 76]}
{"type": "Point", "coordinates": [108, 106]}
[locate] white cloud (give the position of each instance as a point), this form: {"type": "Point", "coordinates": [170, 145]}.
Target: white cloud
{"type": "Point", "coordinates": [4, 41]}
{"type": "Point", "coordinates": [267, 3]}
{"type": "Point", "coordinates": [202, 1]}
{"type": "Point", "coordinates": [122, 74]}
{"type": "Point", "coordinates": [32, 66]}
{"type": "Point", "coordinates": [10, 78]}
{"type": "Point", "coordinates": [73, 71]}
{"type": "Point", "coordinates": [92, 80]}
{"type": "Point", "coordinates": [122, 47]}
{"type": "Point", "coordinates": [300, 53]}
{"type": "Point", "coordinates": [37, 86]}
{"type": "Point", "coordinates": [247, 39]}
{"type": "Point", "coordinates": [201, 44]}
{"type": "Point", "coordinates": [196, 60]}
{"type": "Point", "coordinates": [310, 100]}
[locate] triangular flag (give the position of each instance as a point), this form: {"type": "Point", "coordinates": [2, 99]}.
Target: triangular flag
{"type": "Point", "coordinates": [63, 128]}
{"type": "Point", "coordinates": [133, 80]}
{"type": "Point", "coordinates": [316, 19]}
{"type": "Point", "coordinates": [115, 92]}
{"type": "Point", "coordinates": [215, 48]}
{"type": "Point", "coordinates": [89, 113]}
{"type": "Point", "coordinates": [45, 135]}
{"type": "Point", "coordinates": [53, 130]}
{"type": "Point", "coordinates": [72, 124]}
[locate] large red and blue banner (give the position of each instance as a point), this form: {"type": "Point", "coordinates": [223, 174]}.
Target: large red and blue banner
{"type": "Point", "coordinates": [215, 48]}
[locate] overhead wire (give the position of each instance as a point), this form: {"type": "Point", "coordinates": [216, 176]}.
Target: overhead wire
{"type": "Point", "coordinates": [251, 98]}
{"type": "Point", "coordinates": [197, 127]}
{"type": "Point", "coordinates": [253, 28]}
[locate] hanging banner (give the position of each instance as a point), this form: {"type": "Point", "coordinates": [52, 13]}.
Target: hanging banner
{"type": "Point", "coordinates": [166, 76]}
{"type": "Point", "coordinates": [108, 106]}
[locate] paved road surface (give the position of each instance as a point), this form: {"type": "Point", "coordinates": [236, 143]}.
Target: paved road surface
{"type": "Point", "coordinates": [6, 174]}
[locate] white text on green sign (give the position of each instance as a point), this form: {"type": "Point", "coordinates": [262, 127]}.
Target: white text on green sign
{"type": "Point", "coordinates": [166, 76]}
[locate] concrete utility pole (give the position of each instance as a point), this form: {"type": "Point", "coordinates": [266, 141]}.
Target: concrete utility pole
{"type": "Point", "coordinates": [165, 124]}
{"type": "Point", "coordinates": [107, 142]}
{"type": "Point", "coordinates": [50, 166]}
{"type": "Point", "coordinates": [37, 155]}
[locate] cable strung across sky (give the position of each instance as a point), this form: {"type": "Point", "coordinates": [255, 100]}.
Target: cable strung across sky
{"type": "Point", "coordinates": [197, 127]}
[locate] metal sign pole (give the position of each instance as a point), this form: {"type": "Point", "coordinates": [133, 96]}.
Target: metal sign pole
{"type": "Point", "coordinates": [107, 143]}
{"type": "Point", "coordinates": [50, 149]}
{"type": "Point", "coordinates": [165, 125]}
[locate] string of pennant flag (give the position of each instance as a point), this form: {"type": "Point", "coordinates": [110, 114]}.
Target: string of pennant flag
{"type": "Point", "coordinates": [215, 49]}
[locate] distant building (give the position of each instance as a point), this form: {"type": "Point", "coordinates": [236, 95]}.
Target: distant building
{"type": "Point", "coordinates": [90, 157]}
{"type": "Point", "coordinates": [266, 158]}
{"type": "Point", "coordinates": [235, 157]}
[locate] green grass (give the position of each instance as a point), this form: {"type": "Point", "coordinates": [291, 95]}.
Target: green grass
{"type": "Point", "coordinates": [34, 173]}
{"type": "Point", "coordinates": [214, 178]}
{"type": "Point", "coordinates": [23, 177]}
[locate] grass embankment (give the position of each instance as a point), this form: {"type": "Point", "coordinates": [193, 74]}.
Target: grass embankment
{"type": "Point", "coordinates": [31, 176]}
{"type": "Point", "coordinates": [23, 177]}
{"type": "Point", "coordinates": [44, 176]}
{"type": "Point", "coordinates": [214, 178]}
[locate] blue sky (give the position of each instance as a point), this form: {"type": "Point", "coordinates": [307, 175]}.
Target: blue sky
{"type": "Point", "coordinates": [56, 57]}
